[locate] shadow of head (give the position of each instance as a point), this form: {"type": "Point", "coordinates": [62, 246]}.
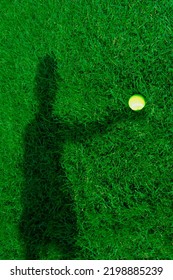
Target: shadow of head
{"type": "Point", "coordinates": [46, 82]}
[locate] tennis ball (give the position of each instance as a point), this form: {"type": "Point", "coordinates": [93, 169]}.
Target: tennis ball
{"type": "Point", "coordinates": [136, 102]}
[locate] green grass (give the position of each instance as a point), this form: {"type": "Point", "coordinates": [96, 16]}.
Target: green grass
{"type": "Point", "coordinates": [82, 175]}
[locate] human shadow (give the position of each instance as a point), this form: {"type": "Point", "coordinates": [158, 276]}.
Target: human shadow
{"type": "Point", "coordinates": [48, 214]}
{"type": "Point", "coordinates": [48, 211]}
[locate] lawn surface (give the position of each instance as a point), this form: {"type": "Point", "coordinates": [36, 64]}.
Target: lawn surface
{"type": "Point", "coordinates": [82, 175]}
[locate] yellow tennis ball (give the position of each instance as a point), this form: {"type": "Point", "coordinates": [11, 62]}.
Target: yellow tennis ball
{"type": "Point", "coordinates": [136, 102]}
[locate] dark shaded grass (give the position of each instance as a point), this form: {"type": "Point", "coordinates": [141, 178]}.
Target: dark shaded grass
{"type": "Point", "coordinates": [47, 211]}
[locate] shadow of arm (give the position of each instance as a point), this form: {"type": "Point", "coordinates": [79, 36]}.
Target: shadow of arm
{"type": "Point", "coordinates": [78, 131]}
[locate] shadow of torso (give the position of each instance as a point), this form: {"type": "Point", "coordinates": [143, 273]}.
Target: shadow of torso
{"type": "Point", "coordinates": [48, 211]}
